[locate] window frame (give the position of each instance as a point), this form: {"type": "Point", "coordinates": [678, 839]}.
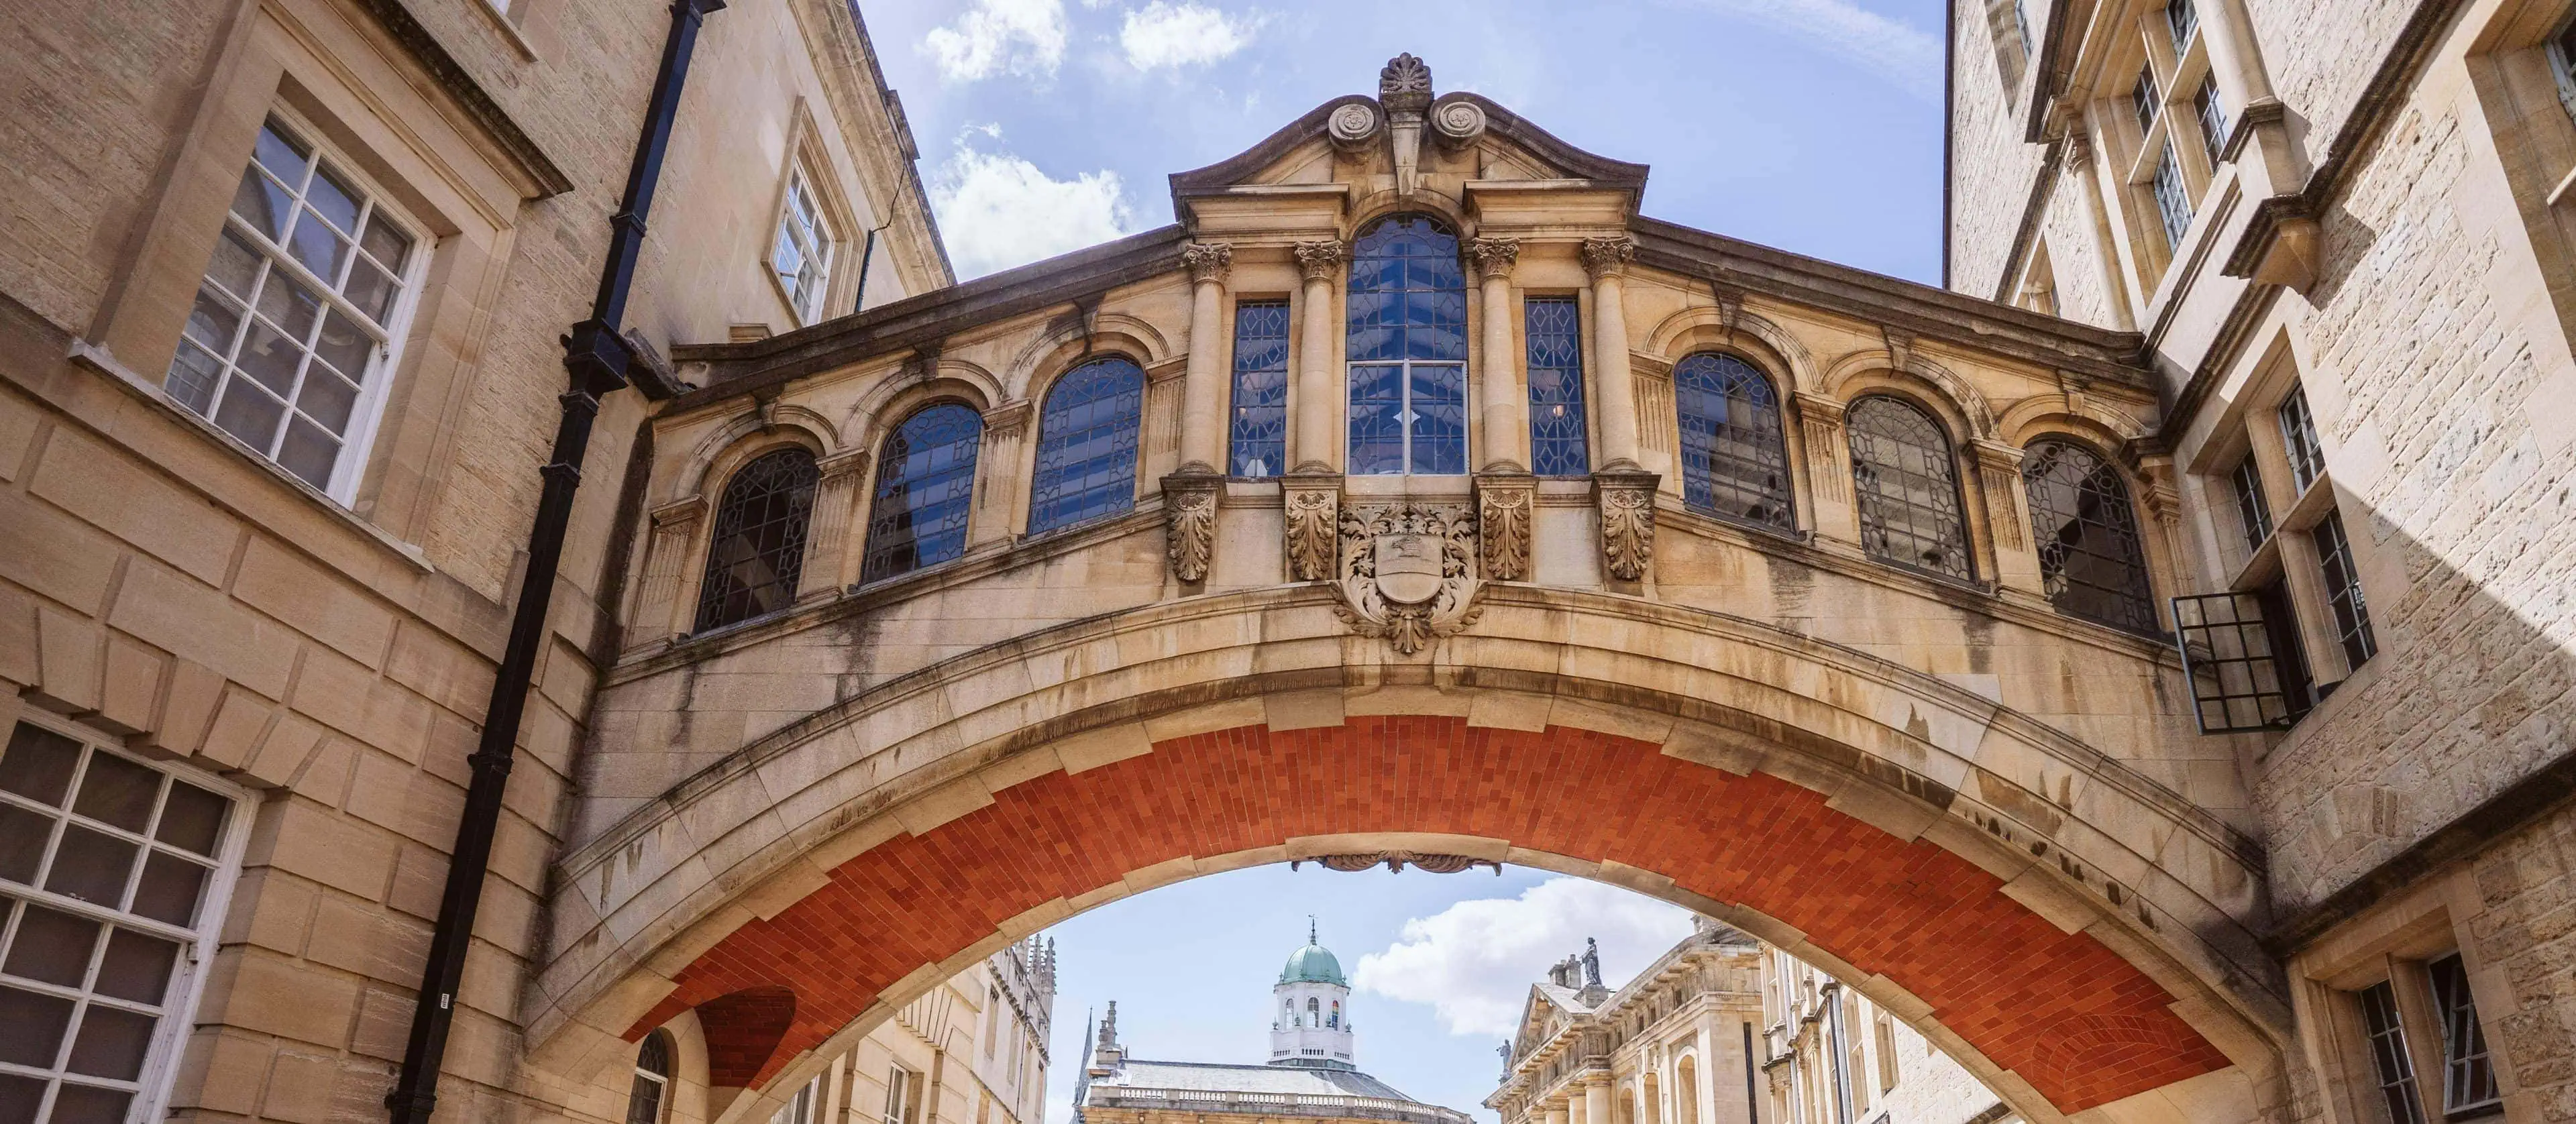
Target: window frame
{"type": "Point", "coordinates": [800, 184]}
{"type": "Point", "coordinates": [1236, 421]}
{"type": "Point", "coordinates": [1405, 367]}
{"type": "Point", "coordinates": [1135, 435]}
{"type": "Point", "coordinates": [707, 571]}
{"type": "Point", "coordinates": [2141, 600]}
{"type": "Point", "coordinates": [1786, 520]}
{"type": "Point", "coordinates": [2560, 48]}
{"type": "Point", "coordinates": [186, 987]}
{"type": "Point", "coordinates": [2454, 999]}
{"type": "Point", "coordinates": [662, 1082]}
{"type": "Point", "coordinates": [877, 497]}
{"type": "Point", "coordinates": [1574, 379]}
{"type": "Point", "coordinates": [898, 1102]}
{"type": "Point", "coordinates": [1966, 544]}
{"type": "Point", "coordinates": [366, 413]}
{"type": "Point", "coordinates": [2384, 1040]}
{"type": "Point", "coordinates": [2347, 605]}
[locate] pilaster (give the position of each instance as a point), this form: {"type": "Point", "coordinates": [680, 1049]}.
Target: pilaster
{"type": "Point", "coordinates": [1505, 394]}
{"type": "Point", "coordinates": [1820, 426]}
{"type": "Point", "coordinates": [1203, 385]}
{"type": "Point", "coordinates": [1001, 475]}
{"type": "Point", "coordinates": [827, 536]}
{"type": "Point", "coordinates": [1606, 261]}
{"type": "Point", "coordinates": [2006, 525]}
{"type": "Point", "coordinates": [674, 537]}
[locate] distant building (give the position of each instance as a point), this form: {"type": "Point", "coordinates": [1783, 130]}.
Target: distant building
{"type": "Point", "coordinates": [1724, 1029]}
{"type": "Point", "coordinates": [1312, 1074]}
{"type": "Point", "coordinates": [973, 1051]}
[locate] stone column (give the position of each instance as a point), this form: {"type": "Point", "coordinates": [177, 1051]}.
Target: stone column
{"type": "Point", "coordinates": [1553, 1112]}
{"type": "Point", "coordinates": [1596, 1098]}
{"type": "Point", "coordinates": [2088, 192]}
{"type": "Point", "coordinates": [1820, 426]}
{"type": "Point", "coordinates": [666, 558]}
{"type": "Point", "coordinates": [1001, 476]}
{"type": "Point", "coordinates": [1317, 346]}
{"type": "Point", "coordinates": [2007, 524]}
{"type": "Point", "coordinates": [828, 535]}
{"type": "Point", "coordinates": [1577, 1110]}
{"type": "Point", "coordinates": [1606, 259]}
{"type": "Point", "coordinates": [1203, 385]}
{"type": "Point", "coordinates": [1505, 412]}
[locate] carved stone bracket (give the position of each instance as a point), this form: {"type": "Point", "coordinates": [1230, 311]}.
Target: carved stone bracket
{"type": "Point", "coordinates": [1505, 503]}
{"type": "Point", "coordinates": [1396, 861]}
{"type": "Point", "coordinates": [1314, 505]}
{"type": "Point", "coordinates": [1407, 572]}
{"type": "Point", "coordinates": [1189, 522]}
{"type": "Point", "coordinates": [1627, 503]}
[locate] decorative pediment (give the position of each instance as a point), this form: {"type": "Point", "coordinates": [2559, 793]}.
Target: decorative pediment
{"type": "Point", "coordinates": [1407, 140]}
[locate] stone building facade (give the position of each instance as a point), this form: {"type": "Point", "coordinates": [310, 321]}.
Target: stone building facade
{"type": "Point", "coordinates": [261, 564]}
{"type": "Point", "coordinates": [1725, 1029]}
{"type": "Point", "coordinates": [2341, 231]}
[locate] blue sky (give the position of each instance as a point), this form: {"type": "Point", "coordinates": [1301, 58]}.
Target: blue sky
{"type": "Point", "coordinates": [1811, 125]}
{"type": "Point", "coordinates": [1440, 965]}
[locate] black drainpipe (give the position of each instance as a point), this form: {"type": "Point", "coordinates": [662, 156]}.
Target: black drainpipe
{"type": "Point", "coordinates": [597, 357]}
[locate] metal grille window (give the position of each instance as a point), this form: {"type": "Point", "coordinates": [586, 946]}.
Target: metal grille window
{"type": "Point", "coordinates": [1908, 486]}
{"type": "Point", "coordinates": [2343, 591]}
{"type": "Point", "coordinates": [652, 1087]}
{"type": "Point", "coordinates": [2299, 440]}
{"type": "Point", "coordinates": [2468, 1074]}
{"type": "Point", "coordinates": [925, 485]}
{"type": "Point", "coordinates": [803, 254]}
{"type": "Point", "coordinates": [1557, 434]}
{"type": "Point", "coordinates": [758, 550]}
{"type": "Point", "coordinates": [2388, 1058]}
{"type": "Point", "coordinates": [2089, 556]}
{"type": "Point", "coordinates": [2253, 514]}
{"type": "Point", "coordinates": [2142, 101]}
{"type": "Point", "coordinates": [1087, 445]}
{"type": "Point", "coordinates": [296, 325]}
{"type": "Point", "coordinates": [1407, 349]}
{"type": "Point", "coordinates": [2213, 116]}
{"type": "Point", "coordinates": [2173, 200]}
{"type": "Point", "coordinates": [2184, 20]}
{"type": "Point", "coordinates": [1735, 463]}
{"type": "Point", "coordinates": [1257, 443]}
{"type": "Point", "coordinates": [112, 877]}
{"type": "Point", "coordinates": [2239, 679]}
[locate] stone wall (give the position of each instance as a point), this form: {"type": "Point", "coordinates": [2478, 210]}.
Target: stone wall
{"type": "Point", "coordinates": [1990, 167]}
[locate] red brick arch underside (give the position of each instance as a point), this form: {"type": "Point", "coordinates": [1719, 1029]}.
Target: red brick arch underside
{"type": "Point", "coordinates": [2082, 1025]}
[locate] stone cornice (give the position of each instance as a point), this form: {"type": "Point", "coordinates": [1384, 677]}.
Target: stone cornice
{"type": "Point", "coordinates": [431, 55]}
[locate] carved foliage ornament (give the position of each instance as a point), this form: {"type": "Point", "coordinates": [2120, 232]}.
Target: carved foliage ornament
{"type": "Point", "coordinates": [1189, 523]}
{"type": "Point", "coordinates": [1317, 261]}
{"type": "Point", "coordinates": [1627, 503]}
{"type": "Point", "coordinates": [1312, 537]}
{"type": "Point", "coordinates": [1494, 257]}
{"type": "Point", "coordinates": [1405, 83]}
{"type": "Point", "coordinates": [1503, 526]}
{"type": "Point", "coordinates": [1608, 256]}
{"type": "Point", "coordinates": [1396, 861]}
{"type": "Point", "coordinates": [1408, 572]}
{"type": "Point", "coordinates": [1208, 261]}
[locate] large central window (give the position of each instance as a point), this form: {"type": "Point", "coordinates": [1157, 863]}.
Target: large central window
{"type": "Point", "coordinates": [1407, 349]}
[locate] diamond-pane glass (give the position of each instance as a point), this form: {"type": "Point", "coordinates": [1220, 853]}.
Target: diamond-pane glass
{"type": "Point", "coordinates": [2089, 556]}
{"type": "Point", "coordinates": [1557, 434]}
{"type": "Point", "coordinates": [1735, 463]}
{"type": "Point", "coordinates": [925, 485]}
{"type": "Point", "coordinates": [1087, 445]}
{"type": "Point", "coordinates": [1407, 346]}
{"type": "Point", "coordinates": [1908, 485]}
{"type": "Point", "coordinates": [1257, 430]}
{"type": "Point", "coordinates": [758, 549]}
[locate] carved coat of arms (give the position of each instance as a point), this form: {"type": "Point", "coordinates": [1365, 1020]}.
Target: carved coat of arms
{"type": "Point", "coordinates": [1408, 572]}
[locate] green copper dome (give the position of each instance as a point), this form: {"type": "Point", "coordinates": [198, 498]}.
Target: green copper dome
{"type": "Point", "coordinates": [1313, 964]}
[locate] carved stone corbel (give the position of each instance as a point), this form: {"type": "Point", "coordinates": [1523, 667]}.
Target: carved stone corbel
{"type": "Point", "coordinates": [1505, 505]}
{"type": "Point", "coordinates": [1626, 500]}
{"type": "Point", "coordinates": [1189, 522]}
{"type": "Point", "coordinates": [1313, 503]}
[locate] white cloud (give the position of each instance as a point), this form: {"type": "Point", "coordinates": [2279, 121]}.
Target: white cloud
{"type": "Point", "coordinates": [1907, 56]}
{"type": "Point", "coordinates": [998, 210]}
{"type": "Point", "coordinates": [1024, 37]}
{"type": "Point", "coordinates": [1474, 961]}
{"type": "Point", "coordinates": [1183, 34]}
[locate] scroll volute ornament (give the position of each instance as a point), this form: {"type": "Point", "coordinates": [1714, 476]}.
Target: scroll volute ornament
{"type": "Point", "coordinates": [1627, 504]}
{"type": "Point", "coordinates": [1189, 522]}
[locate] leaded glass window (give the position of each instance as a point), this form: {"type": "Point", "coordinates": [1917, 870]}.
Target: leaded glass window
{"type": "Point", "coordinates": [2173, 199]}
{"type": "Point", "coordinates": [652, 1080]}
{"type": "Point", "coordinates": [1557, 435]}
{"type": "Point", "coordinates": [296, 323]}
{"type": "Point", "coordinates": [2343, 591]}
{"type": "Point", "coordinates": [2090, 560]}
{"type": "Point", "coordinates": [2389, 1060]}
{"type": "Point", "coordinates": [757, 552]}
{"type": "Point", "coordinates": [1908, 485]}
{"type": "Point", "coordinates": [1406, 347]}
{"type": "Point", "coordinates": [1735, 463]}
{"type": "Point", "coordinates": [1087, 445]}
{"type": "Point", "coordinates": [1257, 433]}
{"type": "Point", "coordinates": [2468, 1077]}
{"type": "Point", "coordinates": [925, 489]}
{"type": "Point", "coordinates": [2299, 440]}
{"type": "Point", "coordinates": [111, 883]}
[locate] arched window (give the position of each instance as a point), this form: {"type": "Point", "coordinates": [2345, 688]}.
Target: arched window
{"type": "Point", "coordinates": [1314, 1013]}
{"type": "Point", "coordinates": [1735, 463]}
{"type": "Point", "coordinates": [1407, 350]}
{"type": "Point", "coordinates": [2087, 534]}
{"type": "Point", "coordinates": [1908, 487]}
{"type": "Point", "coordinates": [652, 1080]}
{"type": "Point", "coordinates": [758, 550]}
{"type": "Point", "coordinates": [1334, 1019]}
{"type": "Point", "coordinates": [1087, 445]}
{"type": "Point", "coordinates": [925, 482]}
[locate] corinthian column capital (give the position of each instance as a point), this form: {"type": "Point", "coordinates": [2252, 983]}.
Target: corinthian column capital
{"type": "Point", "coordinates": [1208, 261]}
{"type": "Point", "coordinates": [1608, 257]}
{"type": "Point", "coordinates": [1316, 261]}
{"type": "Point", "coordinates": [1494, 257]}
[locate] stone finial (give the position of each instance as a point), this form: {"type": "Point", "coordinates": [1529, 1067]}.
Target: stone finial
{"type": "Point", "coordinates": [1608, 257]}
{"type": "Point", "coordinates": [1494, 257]}
{"type": "Point", "coordinates": [1405, 84]}
{"type": "Point", "coordinates": [1208, 261]}
{"type": "Point", "coordinates": [1318, 260]}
